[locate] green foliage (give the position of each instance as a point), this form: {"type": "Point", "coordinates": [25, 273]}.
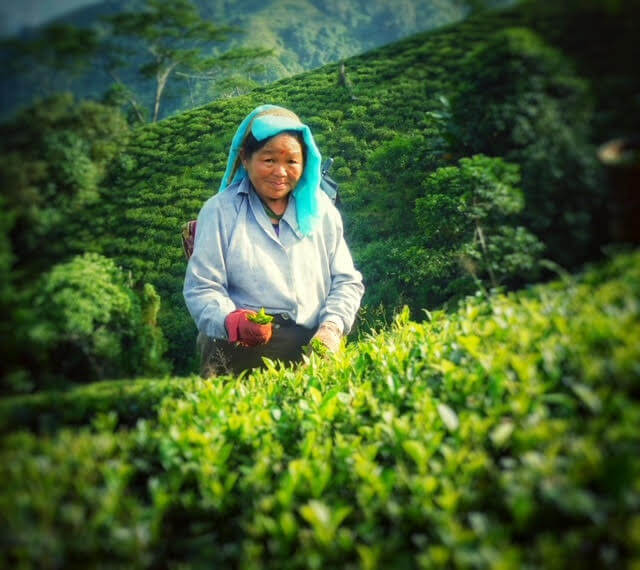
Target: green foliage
{"type": "Point", "coordinates": [172, 39]}
{"type": "Point", "coordinates": [503, 435]}
{"type": "Point", "coordinates": [260, 317]}
{"type": "Point", "coordinates": [316, 346]}
{"type": "Point", "coordinates": [511, 80]}
{"type": "Point", "coordinates": [443, 232]}
{"type": "Point", "coordinates": [521, 99]}
{"type": "Point", "coordinates": [466, 210]}
{"type": "Point", "coordinates": [68, 157]}
{"type": "Point", "coordinates": [60, 49]}
{"type": "Point", "coordinates": [300, 35]}
{"type": "Point", "coordinates": [54, 156]}
{"type": "Point", "coordinates": [380, 199]}
{"type": "Point", "coordinates": [402, 271]}
{"type": "Point", "coordinates": [7, 291]}
{"type": "Point", "coordinates": [386, 141]}
{"type": "Point", "coordinates": [507, 253]}
{"type": "Point", "coordinates": [88, 324]}
{"type": "Point", "coordinates": [129, 400]}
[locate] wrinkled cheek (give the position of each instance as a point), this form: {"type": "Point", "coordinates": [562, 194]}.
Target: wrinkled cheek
{"type": "Point", "coordinates": [263, 172]}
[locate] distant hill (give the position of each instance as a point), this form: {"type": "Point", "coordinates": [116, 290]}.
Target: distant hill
{"type": "Point", "coordinates": [303, 34]}
{"type": "Point", "coordinates": [169, 169]}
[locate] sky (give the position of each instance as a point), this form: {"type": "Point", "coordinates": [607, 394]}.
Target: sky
{"type": "Point", "coordinates": [15, 14]}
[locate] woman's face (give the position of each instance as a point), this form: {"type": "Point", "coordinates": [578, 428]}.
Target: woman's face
{"type": "Point", "coordinates": [276, 168]}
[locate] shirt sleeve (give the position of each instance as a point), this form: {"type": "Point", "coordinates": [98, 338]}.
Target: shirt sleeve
{"type": "Point", "coordinates": [205, 284]}
{"type": "Point", "coordinates": [347, 289]}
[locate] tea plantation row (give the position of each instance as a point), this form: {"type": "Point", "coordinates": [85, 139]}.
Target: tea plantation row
{"type": "Point", "coordinates": [504, 436]}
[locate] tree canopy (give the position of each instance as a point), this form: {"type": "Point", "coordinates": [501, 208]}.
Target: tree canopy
{"type": "Point", "coordinates": [172, 38]}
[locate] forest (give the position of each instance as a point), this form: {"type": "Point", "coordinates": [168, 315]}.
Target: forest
{"type": "Point", "coordinates": [85, 47]}
{"type": "Point", "coordinates": [484, 412]}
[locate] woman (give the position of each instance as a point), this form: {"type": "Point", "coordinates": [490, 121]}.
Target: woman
{"type": "Point", "coordinates": [270, 238]}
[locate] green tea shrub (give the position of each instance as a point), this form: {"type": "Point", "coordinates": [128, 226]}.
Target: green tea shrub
{"type": "Point", "coordinates": [503, 435]}
{"type": "Point", "coordinates": [128, 400]}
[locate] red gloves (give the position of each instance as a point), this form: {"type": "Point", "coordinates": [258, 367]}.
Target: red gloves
{"type": "Point", "coordinates": [244, 331]}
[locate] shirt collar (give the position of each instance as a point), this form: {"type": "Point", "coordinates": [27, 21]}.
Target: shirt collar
{"type": "Point", "coordinates": [245, 186]}
{"type": "Point", "coordinates": [291, 216]}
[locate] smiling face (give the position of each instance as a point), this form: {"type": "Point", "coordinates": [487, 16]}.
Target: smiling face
{"type": "Point", "coordinates": [276, 168]}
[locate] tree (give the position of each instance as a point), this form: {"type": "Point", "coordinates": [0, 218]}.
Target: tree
{"type": "Point", "coordinates": [394, 173]}
{"type": "Point", "coordinates": [467, 209]}
{"type": "Point", "coordinates": [89, 323]}
{"type": "Point", "coordinates": [60, 49]}
{"type": "Point", "coordinates": [522, 100]}
{"type": "Point", "coordinates": [172, 37]}
{"type": "Point", "coordinates": [53, 157]}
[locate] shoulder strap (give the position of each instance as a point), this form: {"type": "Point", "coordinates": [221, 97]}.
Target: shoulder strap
{"type": "Point", "coordinates": [189, 237]}
{"type": "Point", "coordinates": [327, 184]}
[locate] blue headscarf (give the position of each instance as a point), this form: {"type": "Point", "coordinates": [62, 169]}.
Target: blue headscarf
{"type": "Point", "coordinates": [269, 120]}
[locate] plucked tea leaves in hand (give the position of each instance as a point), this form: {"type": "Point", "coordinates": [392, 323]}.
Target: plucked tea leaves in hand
{"type": "Point", "coordinates": [260, 318]}
{"type": "Point", "coordinates": [316, 346]}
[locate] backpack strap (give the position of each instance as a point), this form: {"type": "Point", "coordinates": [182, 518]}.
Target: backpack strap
{"type": "Point", "coordinates": [327, 184]}
{"type": "Point", "coordinates": [189, 237]}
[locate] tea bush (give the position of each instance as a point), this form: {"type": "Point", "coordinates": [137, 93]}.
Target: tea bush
{"type": "Point", "coordinates": [129, 400]}
{"type": "Point", "coordinates": [505, 435]}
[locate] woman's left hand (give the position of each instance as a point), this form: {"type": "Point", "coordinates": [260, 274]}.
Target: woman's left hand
{"type": "Point", "coordinates": [330, 335]}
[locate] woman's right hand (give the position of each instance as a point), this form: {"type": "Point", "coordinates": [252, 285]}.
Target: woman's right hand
{"type": "Point", "coordinates": [245, 332]}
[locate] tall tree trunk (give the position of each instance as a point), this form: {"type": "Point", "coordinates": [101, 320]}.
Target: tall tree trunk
{"type": "Point", "coordinates": [161, 78]}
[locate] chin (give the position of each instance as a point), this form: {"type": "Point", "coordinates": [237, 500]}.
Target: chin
{"type": "Point", "coordinates": [278, 194]}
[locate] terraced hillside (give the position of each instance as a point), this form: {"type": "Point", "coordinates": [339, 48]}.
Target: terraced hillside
{"type": "Point", "coordinates": [169, 169]}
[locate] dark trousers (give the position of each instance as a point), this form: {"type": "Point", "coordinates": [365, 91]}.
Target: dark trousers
{"type": "Point", "coordinates": [218, 356]}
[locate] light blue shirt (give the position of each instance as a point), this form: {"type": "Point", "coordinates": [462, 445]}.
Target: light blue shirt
{"type": "Point", "coordinates": [239, 262]}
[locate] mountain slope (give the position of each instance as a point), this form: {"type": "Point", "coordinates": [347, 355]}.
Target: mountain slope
{"type": "Point", "coordinates": [169, 169]}
{"type": "Point", "coordinates": [304, 34]}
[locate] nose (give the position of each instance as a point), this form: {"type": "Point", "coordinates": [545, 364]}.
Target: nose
{"type": "Point", "coordinates": [280, 170]}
